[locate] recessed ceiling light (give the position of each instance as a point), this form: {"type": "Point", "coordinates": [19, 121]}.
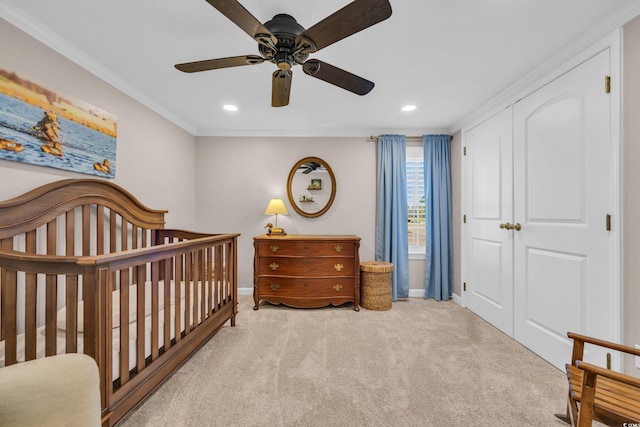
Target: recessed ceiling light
{"type": "Point", "coordinates": [408, 108]}
{"type": "Point", "coordinates": [230, 107]}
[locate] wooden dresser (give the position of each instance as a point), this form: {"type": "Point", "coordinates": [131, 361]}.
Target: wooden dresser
{"type": "Point", "coordinates": [306, 271]}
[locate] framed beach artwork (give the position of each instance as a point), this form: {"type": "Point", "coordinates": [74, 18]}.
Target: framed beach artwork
{"type": "Point", "coordinates": [47, 128]}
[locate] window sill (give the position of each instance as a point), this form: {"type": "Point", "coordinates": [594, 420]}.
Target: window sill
{"type": "Point", "coordinates": [417, 255]}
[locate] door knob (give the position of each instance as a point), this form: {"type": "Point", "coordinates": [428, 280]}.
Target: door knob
{"type": "Point", "coordinates": [516, 226]}
{"type": "Point", "coordinates": [505, 226]}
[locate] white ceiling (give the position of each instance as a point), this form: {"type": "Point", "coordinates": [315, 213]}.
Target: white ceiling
{"type": "Point", "coordinates": [448, 57]}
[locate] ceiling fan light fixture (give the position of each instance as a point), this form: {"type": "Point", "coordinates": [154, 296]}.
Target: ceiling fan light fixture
{"type": "Point", "coordinates": [408, 108]}
{"type": "Point", "coordinates": [284, 60]}
{"type": "Point", "coordinates": [230, 107]}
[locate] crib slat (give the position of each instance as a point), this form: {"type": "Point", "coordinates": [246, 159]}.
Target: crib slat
{"type": "Point", "coordinates": [112, 231]}
{"type": "Point", "coordinates": [6, 244]}
{"type": "Point", "coordinates": [134, 244]}
{"type": "Point", "coordinates": [202, 284]}
{"type": "Point", "coordinates": [9, 324]}
{"type": "Point", "coordinates": [155, 307]}
{"type": "Point", "coordinates": [51, 295]}
{"type": "Point", "coordinates": [31, 296]}
{"type": "Point", "coordinates": [134, 236]}
{"type": "Point", "coordinates": [210, 278]}
{"type": "Point", "coordinates": [124, 326]}
{"type": "Point", "coordinates": [168, 279]}
{"type": "Point", "coordinates": [231, 274]}
{"type": "Point", "coordinates": [71, 293]}
{"type": "Point", "coordinates": [99, 229]}
{"type": "Point", "coordinates": [124, 234]}
{"type": "Point", "coordinates": [188, 282]}
{"type": "Point", "coordinates": [178, 297]}
{"type": "Point", "coordinates": [86, 230]}
{"type": "Point", "coordinates": [219, 281]}
{"type": "Point", "coordinates": [187, 292]}
{"type": "Point", "coordinates": [140, 319]}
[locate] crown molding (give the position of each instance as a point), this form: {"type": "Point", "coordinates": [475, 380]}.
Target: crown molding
{"type": "Point", "coordinates": [49, 38]}
{"type": "Point", "coordinates": [519, 89]}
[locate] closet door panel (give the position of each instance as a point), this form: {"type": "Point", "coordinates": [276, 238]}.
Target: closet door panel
{"type": "Point", "coordinates": [488, 203]}
{"type": "Point", "coordinates": [562, 182]}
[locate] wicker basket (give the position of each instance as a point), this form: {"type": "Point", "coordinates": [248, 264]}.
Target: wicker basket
{"type": "Point", "coordinates": [375, 285]}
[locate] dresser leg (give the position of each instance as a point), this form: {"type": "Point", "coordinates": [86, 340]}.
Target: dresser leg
{"type": "Point", "coordinates": [256, 300]}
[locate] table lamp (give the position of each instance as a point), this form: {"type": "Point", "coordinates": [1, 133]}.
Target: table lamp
{"type": "Point", "coordinates": [276, 206]}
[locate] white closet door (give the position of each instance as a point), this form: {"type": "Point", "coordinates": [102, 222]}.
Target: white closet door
{"type": "Point", "coordinates": [563, 184]}
{"type": "Point", "coordinates": [488, 176]}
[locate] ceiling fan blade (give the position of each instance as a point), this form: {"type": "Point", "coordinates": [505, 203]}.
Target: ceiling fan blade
{"type": "Point", "coordinates": [354, 17]}
{"type": "Point", "coordinates": [240, 16]}
{"type": "Point", "coordinates": [214, 64]}
{"type": "Point", "coordinates": [337, 76]}
{"type": "Point", "coordinates": [281, 88]}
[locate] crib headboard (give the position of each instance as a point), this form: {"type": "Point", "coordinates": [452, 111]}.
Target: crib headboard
{"type": "Point", "coordinates": [78, 207]}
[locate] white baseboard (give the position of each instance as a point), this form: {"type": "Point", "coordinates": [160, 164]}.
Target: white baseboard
{"type": "Point", "coordinates": [416, 293]}
{"type": "Point", "coordinates": [413, 293]}
{"type": "Point", "coordinates": [458, 300]}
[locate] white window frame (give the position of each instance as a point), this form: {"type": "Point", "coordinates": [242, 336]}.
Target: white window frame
{"type": "Point", "coordinates": [415, 191]}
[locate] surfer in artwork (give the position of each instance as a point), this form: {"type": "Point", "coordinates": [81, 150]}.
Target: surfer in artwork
{"type": "Point", "coordinates": [47, 130]}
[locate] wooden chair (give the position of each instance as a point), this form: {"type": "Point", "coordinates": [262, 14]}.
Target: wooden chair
{"type": "Point", "coordinates": [600, 394]}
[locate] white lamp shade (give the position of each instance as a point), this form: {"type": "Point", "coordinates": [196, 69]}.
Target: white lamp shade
{"type": "Point", "coordinates": [276, 206]}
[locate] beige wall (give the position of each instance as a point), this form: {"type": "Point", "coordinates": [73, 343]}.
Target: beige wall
{"type": "Point", "coordinates": [631, 185]}
{"type": "Point", "coordinates": [238, 176]}
{"type": "Point", "coordinates": [456, 208]}
{"type": "Point", "coordinates": [154, 159]}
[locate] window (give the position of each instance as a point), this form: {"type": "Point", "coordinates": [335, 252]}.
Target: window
{"type": "Point", "coordinates": [416, 199]}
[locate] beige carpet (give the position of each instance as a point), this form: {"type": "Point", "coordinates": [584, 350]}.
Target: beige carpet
{"type": "Point", "coordinates": [422, 363]}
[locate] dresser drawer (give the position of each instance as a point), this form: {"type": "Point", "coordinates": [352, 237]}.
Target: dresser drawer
{"type": "Point", "coordinates": [305, 248]}
{"type": "Point", "coordinates": [305, 288]}
{"type": "Point", "coordinates": [332, 266]}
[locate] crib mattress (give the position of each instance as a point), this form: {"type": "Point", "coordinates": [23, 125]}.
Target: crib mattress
{"type": "Point", "coordinates": [115, 330]}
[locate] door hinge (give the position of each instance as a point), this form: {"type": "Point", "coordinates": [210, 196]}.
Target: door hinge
{"type": "Point", "coordinates": [464, 219]}
{"type": "Point", "coordinates": [608, 222]}
{"type": "Point", "coordinates": [607, 84]}
{"type": "Point", "coordinates": [464, 286]}
{"type": "Point", "coordinates": [464, 151]}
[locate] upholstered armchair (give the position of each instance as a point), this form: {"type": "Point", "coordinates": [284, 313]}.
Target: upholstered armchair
{"type": "Point", "coordinates": [56, 390]}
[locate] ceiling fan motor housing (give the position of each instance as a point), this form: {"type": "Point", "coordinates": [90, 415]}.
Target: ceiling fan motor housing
{"type": "Point", "coordinates": [285, 28]}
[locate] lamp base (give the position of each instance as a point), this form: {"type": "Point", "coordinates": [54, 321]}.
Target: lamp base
{"type": "Point", "coordinates": [276, 230]}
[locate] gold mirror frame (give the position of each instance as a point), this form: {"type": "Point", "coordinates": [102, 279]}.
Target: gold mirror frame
{"type": "Point", "coordinates": [295, 204]}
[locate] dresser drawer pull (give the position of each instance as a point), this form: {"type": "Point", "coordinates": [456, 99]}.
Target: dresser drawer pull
{"type": "Point", "coordinates": [273, 266]}
{"type": "Point", "coordinates": [337, 287]}
{"type": "Point", "coordinates": [338, 267]}
{"type": "Point", "coordinates": [275, 286]}
{"type": "Point", "coordinates": [337, 248]}
{"type": "Point", "coordinates": [274, 248]}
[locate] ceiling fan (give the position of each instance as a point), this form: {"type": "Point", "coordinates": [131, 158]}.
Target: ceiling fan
{"type": "Point", "coordinates": [286, 43]}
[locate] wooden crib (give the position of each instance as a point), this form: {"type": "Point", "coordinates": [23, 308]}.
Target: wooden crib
{"type": "Point", "coordinates": [85, 267]}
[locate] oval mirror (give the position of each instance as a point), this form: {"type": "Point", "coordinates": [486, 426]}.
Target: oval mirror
{"type": "Point", "coordinates": [311, 187]}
